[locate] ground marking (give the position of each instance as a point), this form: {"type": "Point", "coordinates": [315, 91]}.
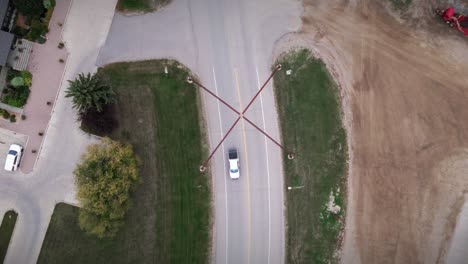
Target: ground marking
{"type": "Point", "coordinates": [247, 165]}
{"type": "Point", "coordinates": [268, 168]}
{"type": "Point", "coordinates": [224, 161]}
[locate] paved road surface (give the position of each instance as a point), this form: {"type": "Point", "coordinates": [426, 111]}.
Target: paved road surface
{"type": "Point", "coordinates": [228, 45]}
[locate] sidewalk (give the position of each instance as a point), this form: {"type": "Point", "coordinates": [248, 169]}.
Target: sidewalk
{"type": "Point", "coordinates": [47, 76]}
{"type": "Point", "coordinates": [34, 195]}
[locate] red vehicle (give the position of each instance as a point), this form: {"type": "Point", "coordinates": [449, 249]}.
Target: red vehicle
{"type": "Point", "coordinates": [458, 21]}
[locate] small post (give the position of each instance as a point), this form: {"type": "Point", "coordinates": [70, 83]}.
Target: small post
{"type": "Point", "coordinates": [296, 187]}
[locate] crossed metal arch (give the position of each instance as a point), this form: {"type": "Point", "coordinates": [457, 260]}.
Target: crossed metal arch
{"type": "Point", "coordinates": [241, 115]}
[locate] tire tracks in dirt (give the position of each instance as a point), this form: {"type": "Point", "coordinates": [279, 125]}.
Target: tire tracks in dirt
{"type": "Point", "coordinates": [403, 96]}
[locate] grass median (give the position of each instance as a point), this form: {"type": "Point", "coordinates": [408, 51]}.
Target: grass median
{"type": "Point", "coordinates": [169, 221]}
{"type": "Point", "coordinates": [6, 231]}
{"type": "Point", "coordinates": [311, 125]}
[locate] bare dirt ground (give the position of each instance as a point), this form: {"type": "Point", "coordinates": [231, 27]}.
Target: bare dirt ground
{"type": "Point", "coordinates": [404, 83]}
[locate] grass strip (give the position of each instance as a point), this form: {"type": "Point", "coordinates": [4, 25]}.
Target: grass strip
{"type": "Point", "coordinates": [169, 222]}
{"type": "Point", "coordinates": [6, 231]}
{"type": "Point", "coordinates": [311, 125]}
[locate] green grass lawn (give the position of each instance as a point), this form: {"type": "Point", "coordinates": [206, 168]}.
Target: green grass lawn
{"type": "Point", "coordinates": [170, 218]}
{"type": "Point", "coordinates": [140, 5]}
{"type": "Point", "coordinates": [311, 125]}
{"type": "Point", "coordinates": [6, 230]}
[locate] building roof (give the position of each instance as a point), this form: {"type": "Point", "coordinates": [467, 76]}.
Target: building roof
{"type": "Point", "coordinates": [6, 39]}
{"type": "Point", "coordinates": [3, 9]}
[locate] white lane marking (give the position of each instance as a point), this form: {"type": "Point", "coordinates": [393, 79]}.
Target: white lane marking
{"type": "Point", "coordinates": [225, 169]}
{"type": "Point", "coordinates": [268, 168]}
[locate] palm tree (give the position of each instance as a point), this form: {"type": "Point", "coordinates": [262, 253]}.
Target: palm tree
{"type": "Point", "coordinates": [88, 92]}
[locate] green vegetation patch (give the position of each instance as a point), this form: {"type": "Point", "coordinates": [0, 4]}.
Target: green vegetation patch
{"type": "Point", "coordinates": [311, 125]}
{"type": "Point", "coordinates": [17, 90]}
{"type": "Point", "coordinates": [6, 231]}
{"type": "Point", "coordinates": [140, 5]}
{"type": "Point", "coordinates": [37, 14]}
{"type": "Point", "coordinates": [169, 221]}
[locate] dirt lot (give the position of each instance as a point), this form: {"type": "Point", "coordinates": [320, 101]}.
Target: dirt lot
{"type": "Point", "coordinates": [405, 94]}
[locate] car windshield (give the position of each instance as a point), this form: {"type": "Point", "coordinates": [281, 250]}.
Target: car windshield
{"type": "Point", "coordinates": [234, 170]}
{"type": "Point", "coordinates": [12, 152]}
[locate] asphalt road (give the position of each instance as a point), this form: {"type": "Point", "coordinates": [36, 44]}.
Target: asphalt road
{"type": "Point", "coordinates": [228, 45]}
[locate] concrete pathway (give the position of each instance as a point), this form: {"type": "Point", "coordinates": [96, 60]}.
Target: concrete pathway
{"type": "Point", "coordinates": [34, 195]}
{"type": "Point", "coordinates": [47, 76]}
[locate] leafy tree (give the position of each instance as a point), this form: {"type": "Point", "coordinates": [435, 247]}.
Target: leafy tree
{"type": "Point", "coordinates": [89, 91]}
{"type": "Point", "coordinates": [105, 178]}
{"type": "Point", "coordinates": [32, 8]}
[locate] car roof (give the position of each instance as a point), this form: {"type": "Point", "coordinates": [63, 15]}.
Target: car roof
{"type": "Point", "coordinates": [16, 147]}
{"type": "Point", "coordinates": [233, 164]}
{"type": "Point", "coordinates": [9, 162]}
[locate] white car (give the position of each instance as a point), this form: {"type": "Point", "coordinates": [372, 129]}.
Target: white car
{"type": "Point", "coordinates": [13, 158]}
{"type": "Point", "coordinates": [233, 164]}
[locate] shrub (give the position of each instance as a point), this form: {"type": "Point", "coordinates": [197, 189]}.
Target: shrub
{"type": "Point", "coordinates": [99, 123]}
{"type": "Point", "coordinates": [105, 177]}
{"type": "Point", "coordinates": [23, 117]}
{"type": "Point", "coordinates": [48, 3]}
{"type": "Point", "coordinates": [12, 74]}
{"type": "Point", "coordinates": [19, 31]}
{"type": "Point", "coordinates": [37, 30]}
{"type": "Point", "coordinates": [61, 61]}
{"type": "Point", "coordinates": [31, 8]}
{"type": "Point", "coordinates": [17, 81]}
{"type": "Point", "coordinates": [27, 77]}
{"type": "Point", "coordinates": [40, 134]}
{"type": "Point", "coordinates": [41, 40]}
{"type": "Point", "coordinates": [17, 96]}
{"type": "Point", "coordinates": [12, 118]}
{"type": "Point", "coordinates": [4, 114]}
{"type": "Point", "coordinates": [48, 16]}
{"type": "Point", "coordinates": [61, 45]}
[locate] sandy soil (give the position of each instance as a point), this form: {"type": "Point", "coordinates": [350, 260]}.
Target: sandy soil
{"type": "Point", "coordinates": [404, 86]}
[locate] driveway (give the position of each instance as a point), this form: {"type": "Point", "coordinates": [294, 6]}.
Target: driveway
{"type": "Point", "coordinates": [228, 44]}
{"type": "Point", "coordinates": [7, 138]}
{"type": "Point", "coordinates": [34, 195]}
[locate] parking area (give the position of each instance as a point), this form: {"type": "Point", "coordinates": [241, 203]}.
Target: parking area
{"type": "Point", "coordinates": [7, 138]}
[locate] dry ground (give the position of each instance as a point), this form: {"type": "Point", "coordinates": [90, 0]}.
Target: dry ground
{"type": "Point", "coordinates": [405, 95]}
